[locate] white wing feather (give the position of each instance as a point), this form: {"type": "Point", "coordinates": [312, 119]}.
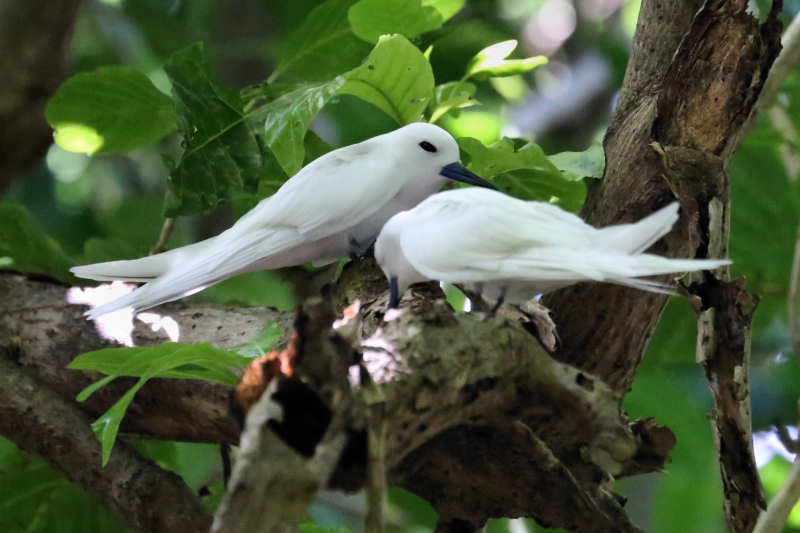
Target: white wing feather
{"type": "Point", "coordinates": [310, 206]}
{"type": "Point", "coordinates": [482, 236]}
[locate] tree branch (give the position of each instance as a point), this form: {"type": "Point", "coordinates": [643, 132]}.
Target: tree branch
{"type": "Point", "coordinates": [140, 493]}
{"type": "Point", "coordinates": [461, 391]}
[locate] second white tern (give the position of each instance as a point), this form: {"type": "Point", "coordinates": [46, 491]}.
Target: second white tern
{"type": "Point", "coordinates": [334, 206]}
{"type": "Point", "coordinates": [511, 250]}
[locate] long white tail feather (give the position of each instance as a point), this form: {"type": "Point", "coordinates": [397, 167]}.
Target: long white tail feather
{"type": "Point", "coordinates": [142, 269]}
{"type": "Point", "coordinates": [226, 257]}
{"type": "Point", "coordinates": [639, 236]}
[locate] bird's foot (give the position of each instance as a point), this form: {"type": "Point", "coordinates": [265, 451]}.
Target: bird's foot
{"type": "Point", "coordinates": [539, 316]}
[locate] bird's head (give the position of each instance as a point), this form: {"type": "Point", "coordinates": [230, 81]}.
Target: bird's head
{"type": "Point", "coordinates": [434, 152]}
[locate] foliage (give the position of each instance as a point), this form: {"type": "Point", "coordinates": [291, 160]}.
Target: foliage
{"type": "Point", "coordinates": [169, 360]}
{"type": "Point", "coordinates": [205, 126]}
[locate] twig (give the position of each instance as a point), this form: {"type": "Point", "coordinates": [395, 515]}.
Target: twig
{"type": "Point", "coordinates": [163, 237]}
{"type": "Point", "coordinates": [794, 282]}
{"type": "Point", "coordinates": [774, 518]}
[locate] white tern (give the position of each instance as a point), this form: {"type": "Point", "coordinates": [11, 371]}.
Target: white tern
{"type": "Point", "coordinates": [334, 206]}
{"type": "Point", "coordinates": [512, 250]}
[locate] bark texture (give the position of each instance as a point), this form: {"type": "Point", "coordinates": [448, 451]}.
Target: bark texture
{"type": "Point", "coordinates": [474, 407]}
{"type": "Point", "coordinates": [693, 77]}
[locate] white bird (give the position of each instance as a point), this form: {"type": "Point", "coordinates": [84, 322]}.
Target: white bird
{"type": "Point", "coordinates": [334, 206]}
{"type": "Point", "coordinates": [512, 250]}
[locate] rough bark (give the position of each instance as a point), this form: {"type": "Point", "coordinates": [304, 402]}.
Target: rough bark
{"type": "Point", "coordinates": [34, 37]}
{"type": "Point", "coordinates": [692, 79]}
{"type": "Point", "coordinates": [473, 406]}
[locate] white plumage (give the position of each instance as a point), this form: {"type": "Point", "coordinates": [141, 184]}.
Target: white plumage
{"type": "Point", "coordinates": [505, 248]}
{"type": "Point", "coordinates": [336, 203]}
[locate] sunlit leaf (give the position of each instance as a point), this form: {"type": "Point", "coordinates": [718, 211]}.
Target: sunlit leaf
{"type": "Point", "coordinates": [109, 110]}
{"type": "Point", "coordinates": [492, 62]}
{"type": "Point", "coordinates": [26, 248]}
{"type": "Point", "coordinates": [451, 95]}
{"type": "Point", "coordinates": [372, 18]}
{"type": "Point", "coordinates": [395, 77]}
{"type": "Point", "coordinates": [522, 170]}
{"type": "Point", "coordinates": [446, 8]}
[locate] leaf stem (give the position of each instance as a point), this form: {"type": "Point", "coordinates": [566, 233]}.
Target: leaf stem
{"type": "Point", "coordinates": [163, 237]}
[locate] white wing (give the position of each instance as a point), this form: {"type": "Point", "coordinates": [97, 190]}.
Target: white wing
{"type": "Point", "coordinates": [334, 192]}
{"type": "Point", "coordinates": [331, 194]}
{"type": "Point", "coordinates": [481, 235]}
{"type": "Point", "coordinates": [484, 236]}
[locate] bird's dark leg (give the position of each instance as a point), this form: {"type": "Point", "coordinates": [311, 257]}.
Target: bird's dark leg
{"type": "Point", "coordinates": [500, 300]}
{"type": "Point", "coordinates": [394, 293]}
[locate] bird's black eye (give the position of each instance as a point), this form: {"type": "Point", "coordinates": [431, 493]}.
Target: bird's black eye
{"type": "Point", "coordinates": [428, 147]}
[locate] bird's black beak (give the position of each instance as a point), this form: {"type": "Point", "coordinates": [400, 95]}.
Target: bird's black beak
{"type": "Point", "coordinates": [455, 171]}
{"type": "Point", "coordinates": [394, 293]}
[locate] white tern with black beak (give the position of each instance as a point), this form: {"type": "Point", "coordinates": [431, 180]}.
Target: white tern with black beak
{"type": "Point", "coordinates": [334, 206]}
{"type": "Point", "coordinates": [511, 250]}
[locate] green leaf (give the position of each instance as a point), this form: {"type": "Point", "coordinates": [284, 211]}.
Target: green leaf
{"type": "Point", "coordinates": [323, 46]}
{"type": "Point", "coordinates": [372, 18]}
{"type": "Point", "coordinates": [169, 360]}
{"type": "Point", "coordinates": [106, 426]}
{"type": "Point", "coordinates": [222, 156]}
{"type": "Point", "coordinates": [578, 165]}
{"type": "Point", "coordinates": [109, 110]}
{"type": "Point", "coordinates": [446, 8]}
{"type": "Point", "coordinates": [449, 96]}
{"type": "Point", "coordinates": [522, 170]}
{"type": "Point", "coordinates": [24, 247]}
{"type": "Point", "coordinates": [395, 77]}
{"type": "Point", "coordinates": [34, 498]}
{"type": "Point", "coordinates": [286, 120]}
{"type": "Point", "coordinates": [265, 287]}
{"type": "Point", "coordinates": [491, 62]}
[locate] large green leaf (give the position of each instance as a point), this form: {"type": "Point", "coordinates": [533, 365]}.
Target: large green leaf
{"type": "Point", "coordinates": [491, 62]}
{"type": "Point", "coordinates": [323, 46]}
{"type": "Point", "coordinates": [522, 170]}
{"type": "Point", "coordinates": [396, 77]}
{"type": "Point", "coordinates": [25, 248]}
{"type": "Point", "coordinates": [286, 121]}
{"type": "Point", "coordinates": [112, 109]}
{"type": "Point", "coordinates": [222, 156]}
{"type": "Point", "coordinates": [169, 360]}
{"type": "Point", "coordinates": [372, 18]}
